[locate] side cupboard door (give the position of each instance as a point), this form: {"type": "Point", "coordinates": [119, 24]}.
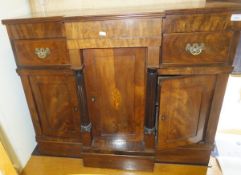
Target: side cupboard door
{"type": "Point", "coordinates": [56, 99]}
{"type": "Point", "coordinates": [183, 109]}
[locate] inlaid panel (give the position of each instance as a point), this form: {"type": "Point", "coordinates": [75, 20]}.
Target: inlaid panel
{"type": "Point", "coordinates": [115, 84]}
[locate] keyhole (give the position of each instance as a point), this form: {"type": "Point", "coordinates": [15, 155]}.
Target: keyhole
{"type": "Point", "coordinates": [93, 99]}
{"type": "Point", "coordinates": [163, 118]}
{"type": "Point", "coordinates": [75, 109]}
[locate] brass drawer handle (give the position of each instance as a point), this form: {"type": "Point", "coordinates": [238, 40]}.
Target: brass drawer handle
{"type": "Point", "coordinates": [195, 48]}
{"type": "Point", "coordinates": [42, 53]}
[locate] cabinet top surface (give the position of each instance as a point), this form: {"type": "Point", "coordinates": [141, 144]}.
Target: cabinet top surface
{"type": "Point", "coordinates": [191, 7]}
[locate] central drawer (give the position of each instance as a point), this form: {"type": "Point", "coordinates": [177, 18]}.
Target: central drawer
{"type": "Point", "coordinates": [125, 28]}
{"type": "Point", "coordinates": [196, 48]}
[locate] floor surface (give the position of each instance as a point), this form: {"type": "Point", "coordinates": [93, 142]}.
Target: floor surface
{"type": "Point", "coordinates": [44, 165]}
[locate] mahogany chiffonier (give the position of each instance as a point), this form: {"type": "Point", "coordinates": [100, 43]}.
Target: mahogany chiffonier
{"type": "Point", "coordinates": [127, 90]}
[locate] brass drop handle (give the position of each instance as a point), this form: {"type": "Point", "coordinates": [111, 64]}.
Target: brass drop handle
{"type": "Point", "coordinates": [195, 48]}
{"type": "Point", "coordinates": [42, 53]}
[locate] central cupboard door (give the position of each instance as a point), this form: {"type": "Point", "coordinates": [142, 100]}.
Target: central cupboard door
{"type": "Point", "coordinates": [115, 88]}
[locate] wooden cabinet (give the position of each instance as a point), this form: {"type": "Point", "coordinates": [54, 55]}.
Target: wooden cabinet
{"type": "Point", "coordinates": [126, 91]}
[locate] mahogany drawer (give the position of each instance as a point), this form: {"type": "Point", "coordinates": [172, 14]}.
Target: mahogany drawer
{"type": "Point", "coordinates": [38, 30]}
{"type": "Point", "coordinates": [44, 52]}
{"type": "Point", "coordinates": [196, 48]}
{"type": "Point", "coordinates": [125, 28]}
{"type": "Point", "coordinates": [197, 23]}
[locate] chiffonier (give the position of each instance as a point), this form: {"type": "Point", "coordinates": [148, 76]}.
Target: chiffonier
{"type": "Point", "coordinates": [127, 90]}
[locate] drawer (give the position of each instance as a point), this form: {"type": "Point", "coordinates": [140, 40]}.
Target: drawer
{"type": "Point", "coordinates": [38, 30]}
{"type": "Point", "coordinates": [197, 23]}
{"type": "Point", "coordinates": [114, 28]}
{"type": "Point", "coordinates": [41, 52]}
{"type": "Point", "coordinates": [196, 48]}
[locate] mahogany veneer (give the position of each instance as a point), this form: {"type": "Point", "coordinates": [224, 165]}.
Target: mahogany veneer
{"type": "Point", "coordinates": [125, 91]}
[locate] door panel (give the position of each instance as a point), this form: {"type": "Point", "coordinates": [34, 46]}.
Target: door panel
{"type": "Point", "coordinates": [115, 87]}
{"type": "Point", "coordinates": [57, 104]}
{"type": "Point", "coordinates": [184, 107]}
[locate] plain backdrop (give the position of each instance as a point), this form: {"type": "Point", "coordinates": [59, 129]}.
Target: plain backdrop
{"type": "Point", "coordinates": [15, 122]}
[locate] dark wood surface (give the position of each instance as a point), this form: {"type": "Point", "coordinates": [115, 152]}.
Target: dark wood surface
{"type": "Point", "coordinates": [216, 48]}
{"type": "Point", "coordinates": [115, 87]}
{"type": "Point", "coordinates": [119, 162]}
{"type": "Point", "coordinates": [98, 97]}
{"type": "Point", "coordinates": [215, 108]}
{"type": "Point", "coordinates": [197, 23]}
{"type": "Point", "coordinates": [26, 56]}
{"type": "Point", "coordinates": [184, 109]}
{"type": "Point", "coordinates": [36, 30]}
{"type": "Point", "coordinates": [57, 104]}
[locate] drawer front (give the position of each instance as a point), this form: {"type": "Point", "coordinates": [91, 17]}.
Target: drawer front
{"type": "Point", "coordinates": [197, 23]}
{"type": "Point", "coordinates": [36, 30]}
{"type": "Point", "coordinates": [196, 48]}
{"type": "Point", "coordinates": [114, 29]}
{"type": "Point", "coordinates": [41, 52]}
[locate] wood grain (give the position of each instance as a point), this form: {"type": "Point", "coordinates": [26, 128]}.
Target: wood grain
{"type": "Point", "coordinates": [75, 56]}
{"type": "Point", "coordinates": [115, 86]}
{"type": "Point", "coordinates": [119, 162]}
{"type": "Point", "coordinates": [197, 23]}
{"type": "Point", "coordinates": [26, 56]}
{"type": "Point", "coordinates": [114, 28]}
{"type": "Point", "coordinates": [59, 148]}
{"type": "Point", "coordinates": [60, 165]}
{"type": "Point", "coordinates": [6, 165]}
{"type": "Point", "coordinates": [114, 43]}
{"type": "Point", "coordinates": [59, 114]}
{"type": "Point", "coordinates": [38, 30]}
{"type": "Point", "coordinates": [215, 109]}
{"type": "Point", "coordinates": [217, 46]}
{"type": "Point", "coordinates": [198, 155]}
{"type": "Point", "coordinates": [184, 109]}
{"type": "Point", "coordinates": [194, 70]}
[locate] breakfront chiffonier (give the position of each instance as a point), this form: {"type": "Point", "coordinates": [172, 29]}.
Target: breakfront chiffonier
{"type": "Point", "coordinates": [127, 90]}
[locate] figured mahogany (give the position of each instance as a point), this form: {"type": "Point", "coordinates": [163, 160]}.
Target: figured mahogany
{"type": "Point", "coordinates": [36, 30]}
{"type": "Point", "coordinates": [184, 106]}
{"type": "Point", "coordinates": [115, 86]}
{"type": "Point", "coordinates": [26, 54]}
{"type": "Point", "coordinates": [127, 90]}
{"type": "Point", "coordinates": [212, 22]}
{"type": "Point", "coordinates": [215, 48]}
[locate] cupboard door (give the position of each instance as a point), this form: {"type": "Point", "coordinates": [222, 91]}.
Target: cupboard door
{"type": "Point", "coordinates": [184, 108]}
{"type": "Point", "coordinates": [115, 88]}
{"type": "Point", "coordinates": [56, 100]}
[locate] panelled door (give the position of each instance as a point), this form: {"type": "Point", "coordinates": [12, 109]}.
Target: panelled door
{"type": "Point", "coordinates": [56, 99]}
{"type": "Point", "coordinates": [115, 88]}
{"type": "Point", "coordinates": [183, 109]}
